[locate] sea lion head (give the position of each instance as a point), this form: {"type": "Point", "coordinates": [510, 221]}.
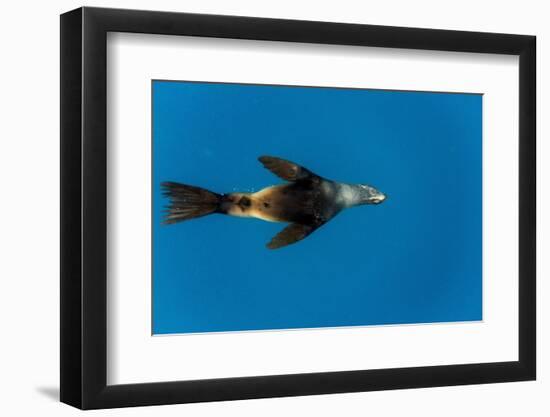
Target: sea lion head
{"type": "Point", "coordinates": [367, 194]}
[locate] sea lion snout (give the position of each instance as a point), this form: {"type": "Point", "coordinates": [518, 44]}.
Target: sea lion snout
{"type": "Point", "coordinates": [378, 199]}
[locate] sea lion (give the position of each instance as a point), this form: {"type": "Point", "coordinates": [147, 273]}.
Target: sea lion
{"type": "Point", "coordinates": [306, 201]}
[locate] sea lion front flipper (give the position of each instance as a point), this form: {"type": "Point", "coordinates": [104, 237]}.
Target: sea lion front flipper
{"type": "Point", "coordinates": [287, 170]}
{"type": "Point", "coordinates": [291, 234]}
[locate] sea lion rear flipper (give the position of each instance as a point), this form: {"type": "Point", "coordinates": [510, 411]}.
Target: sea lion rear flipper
{"type": "Point", "coordinates": [188, 202]}
{"type": "Point", "coordinates": [287, 170]}
{"type": "Point", "coordinates": [291, 234]}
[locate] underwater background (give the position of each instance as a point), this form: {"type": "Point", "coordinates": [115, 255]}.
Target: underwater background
{"type": "Point", "coordinates": [415, 258]}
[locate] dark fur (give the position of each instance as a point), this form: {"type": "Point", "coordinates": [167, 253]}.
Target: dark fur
{"type": "Point", "coordinates": [304, 202]}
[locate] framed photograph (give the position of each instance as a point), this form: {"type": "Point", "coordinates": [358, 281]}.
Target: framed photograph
{"type": "Point", "coordinates": [260, 208]}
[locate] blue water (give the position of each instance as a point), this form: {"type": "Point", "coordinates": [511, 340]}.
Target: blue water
{"type": "Point", "coordinates": [416, 258]}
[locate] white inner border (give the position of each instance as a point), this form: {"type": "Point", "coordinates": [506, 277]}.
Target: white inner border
{"type": "Point", "coordinates": [134, 356]}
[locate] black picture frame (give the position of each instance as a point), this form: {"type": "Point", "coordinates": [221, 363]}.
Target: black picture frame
{"type": "Point", "coordinates": [84, 207]}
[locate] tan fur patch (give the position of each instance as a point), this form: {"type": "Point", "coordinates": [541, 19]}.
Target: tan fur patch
{"type": "Point", "coordinates": [259, 205]}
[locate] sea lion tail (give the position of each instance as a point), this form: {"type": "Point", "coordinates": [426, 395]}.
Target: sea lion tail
{"type": "Point", "coordinates": [188, 202]}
